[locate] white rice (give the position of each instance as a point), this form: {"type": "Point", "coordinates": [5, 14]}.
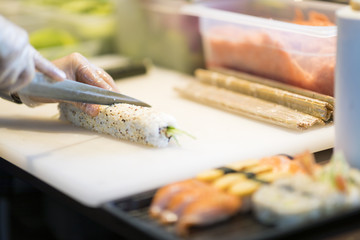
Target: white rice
{"type": "Point", "coordinates": [134, 123]}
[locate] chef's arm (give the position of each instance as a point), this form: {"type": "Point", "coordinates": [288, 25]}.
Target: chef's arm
{"type": "Point", "coordinates": [19, 60]}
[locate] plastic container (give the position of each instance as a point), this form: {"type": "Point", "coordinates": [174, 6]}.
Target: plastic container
{"type": "Point", "coordinates": [157, 29]}
{"type": "Point", "coordinates": [261, 38]}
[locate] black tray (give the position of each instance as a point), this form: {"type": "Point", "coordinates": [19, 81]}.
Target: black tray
{"type": "Point", "coordinates": [133, 211]}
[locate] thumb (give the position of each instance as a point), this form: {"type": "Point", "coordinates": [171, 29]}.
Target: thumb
{"type": "Point", "coordinates": [48, 68]}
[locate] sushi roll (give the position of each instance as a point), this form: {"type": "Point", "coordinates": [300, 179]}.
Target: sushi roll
{"type": "Point", "coordinates": [296, 200]}
{"type": "Point", "coordinates": [134, 123]}
{"type": "Point", "coordinates": [318, 193]}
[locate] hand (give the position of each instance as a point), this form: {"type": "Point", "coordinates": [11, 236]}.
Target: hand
{"type": "Point", "coordinates": [18, 59]}
{"type": "Point", "coordinates": [78, 68]}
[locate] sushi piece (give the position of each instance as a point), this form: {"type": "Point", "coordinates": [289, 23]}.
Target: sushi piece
{"type": "Point", "coordinates": [164, 195]}
{"type": "Point", "coordinates": [296, 200]}
{"type": "Point", "coordinates": [293, 201]}
{"type": "Point", "coordinates": [207, 210]}
{"type": "Point", "coordinates": [180, 201]}
{"type": "Point", "coordinates": [244, 189]}
{"type": "Point", "coordinates": [134, 123]}
{"type": "Point", "coordinates": [283, 164]}
{"type": "Point", "coordinates": [340, 175]}
{"type": "Point", "coordinates": [213, 174]}
{"type": "Point", "coordinates": [243, 178]}
{"type": "Point", "coordinates": [223, 183]}
{"type": "Point", "coordinates": [267, 167]}
{"type": "Point", "coordinates": [217, 194]}
{"type": "Point", "coordinates": [317, 193]}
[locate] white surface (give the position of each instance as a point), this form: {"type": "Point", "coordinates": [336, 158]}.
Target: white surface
{"type": "Point", "coordinates": [94, 169]}
{"type": "Point", "coordinates": [347, 85]}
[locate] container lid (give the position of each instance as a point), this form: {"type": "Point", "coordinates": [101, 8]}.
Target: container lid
{"type": "Point", "coordinates": [248, 20]}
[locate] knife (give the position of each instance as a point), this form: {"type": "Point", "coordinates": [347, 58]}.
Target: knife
{"type": "Point", "coordinates": [68, 90]}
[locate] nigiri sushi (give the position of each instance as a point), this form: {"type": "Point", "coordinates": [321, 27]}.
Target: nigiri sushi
{"type": "Point", "coordinates": [217, 194]}
{"type": "Point", "coordinates": [179, 202]}
{"type": "Point", "coordinates": [208, 209]}
{"type": "Point", "coordinates": [164, 195]}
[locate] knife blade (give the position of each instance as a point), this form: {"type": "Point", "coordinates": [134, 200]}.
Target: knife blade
{"type": "Point", "coordinates": [68, 90]}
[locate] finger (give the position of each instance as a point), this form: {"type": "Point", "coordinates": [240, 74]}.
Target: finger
{"type": "Point", "coordinates": [107, 78]}
{"type": "Point", "coordinates": [87, 74]}
{"type": "Point", "coordinates": [91, 109]}
{"type": "Point", "coordinates": [48, 68]}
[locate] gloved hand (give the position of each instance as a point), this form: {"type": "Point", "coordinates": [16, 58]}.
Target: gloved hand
{"type": "Point", "coordinates": [18, 59]}
{"type": "Point", "coordinates": [78, 68]}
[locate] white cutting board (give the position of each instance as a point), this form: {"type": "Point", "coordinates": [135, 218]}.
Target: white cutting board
{"type": "Point", "coordinates": [94, 169]}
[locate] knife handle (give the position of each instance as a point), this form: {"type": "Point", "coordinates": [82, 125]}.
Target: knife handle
{"type": "Point", "coordinates": [12, 97]}
{"type": "Point", "coordinates": [128, 68]}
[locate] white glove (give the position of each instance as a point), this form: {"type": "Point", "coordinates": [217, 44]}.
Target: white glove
{"type": "Point", "coordinates": [18, 59]}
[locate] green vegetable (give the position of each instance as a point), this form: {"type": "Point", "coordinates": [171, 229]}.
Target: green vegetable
{"type": "Point", "coordinates": [89, 7]}
{"type": "Point", "coordinates": [338, 166]}
{"type": "Point", "coordinates": [172, 132]}
{"type": "Point", "coordinates": [95, 7]}
{"type": "Point", "coordinates": [51, 37]}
